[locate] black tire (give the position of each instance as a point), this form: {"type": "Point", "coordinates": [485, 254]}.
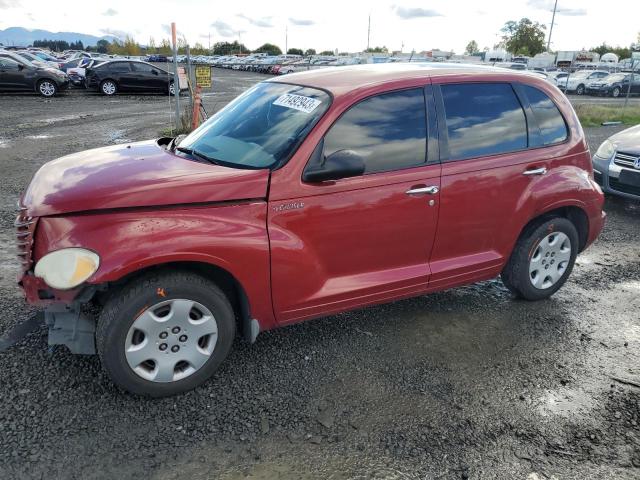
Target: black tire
{"type": "Point", "coordinates": [169, 92]}
{"type": "Point", "coordinates": [516, 275]}
{"type": "Point", "coordinates": [615, 93]}
{"type": "Point", "coordinates": [125, 305]}
{"type": "Point", "coordinates": [47, 88]}
{"type": "Point", "coordinates": [580, 90]}
{"type": "Point", "coordinates": [108, 87]}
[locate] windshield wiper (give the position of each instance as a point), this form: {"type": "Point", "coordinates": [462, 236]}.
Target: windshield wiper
{"type": "Point", "coordinates": [195, 153]}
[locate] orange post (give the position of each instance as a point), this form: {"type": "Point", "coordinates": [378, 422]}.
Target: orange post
{"type": "Point", "coordinates": [195, 116]}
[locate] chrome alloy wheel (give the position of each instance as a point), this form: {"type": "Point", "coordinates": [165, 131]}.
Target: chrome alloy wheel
{"type": "Point", "coordinates": [172, 89]}
{"type": "Point", "coordinates": [550, 260]}
{"type": "Point", "coordinates": [108, 88]}
{"type": "Point", "coordinates": [47, 88]}
{"type": "Point", "coordinates": [171, 340]}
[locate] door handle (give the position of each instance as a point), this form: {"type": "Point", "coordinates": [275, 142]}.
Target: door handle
{"type": "Point", "coordinates": [432, 190]}
{"type": "Point", "coordinates": [535, 171]}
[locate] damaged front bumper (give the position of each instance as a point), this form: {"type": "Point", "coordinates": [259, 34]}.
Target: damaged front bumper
{"type": "Point", "coordinates": [67, 323]}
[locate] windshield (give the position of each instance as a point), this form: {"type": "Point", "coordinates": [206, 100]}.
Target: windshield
{"type": "Point", "coordinates": [261, 128]}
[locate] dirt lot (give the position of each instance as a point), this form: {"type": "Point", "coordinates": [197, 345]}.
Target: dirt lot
{"type": "Point", "coordinates": [463, 384]}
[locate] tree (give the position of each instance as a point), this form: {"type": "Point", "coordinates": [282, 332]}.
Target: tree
{"type": "Point", "coordinates": [228, 48]}
{"type": "Point", "coordinates": [165, 47]}
{"type": "Point", "coordinates": [102, 46]}
{"type": "Point", "coordinates": [326, 52]}
{"type": "Point", "coordinates": [310, 51]}
{"type": "Point", "coordinates": [269, 48]}
{"type": "Point", "coordinates": [621, 52]}
{"type": "Point", "coordinates": [377, 50]}
{"type": "Point", "coordinates": [524, 37]}
{"type": "Point", "coordinates": [472, 48]}
{"type": "Point", "coordinates": [295, 51]}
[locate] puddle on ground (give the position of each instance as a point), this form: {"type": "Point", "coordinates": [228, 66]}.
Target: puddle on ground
{"type": "Point", "coordinates": [565, 402]}
{"type": "Point", "coordinates": [117, 136]}
{"type": "Point", "coordinates": [38, 137]}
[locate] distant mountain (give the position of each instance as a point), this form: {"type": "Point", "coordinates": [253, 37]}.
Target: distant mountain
{"type": "Point", "coordinates": [23, 37]}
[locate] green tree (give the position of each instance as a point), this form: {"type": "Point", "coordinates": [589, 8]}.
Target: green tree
{"type": "Point", "coordinates": [472, 48]}
{"type": "Point", "coordinates": [228, 48]}
{"type": "Point", "coordinates": [524, 37]}
{"type": "Point", "coordinates": [326, 52]}
{"type": "Point", "coordinates": [377, 50]}
{"type": "Point", "coordinates": [102, 46]}
{"type": "Point", "coordinates": [310, 51]}
{"type": "Point", "coordinates": [151, 48]}
{"type": "Point", "coordinates": [164, 48]}
{"type": "Point", "coordinates": [269, 48]}
{"type": "Point", "coordinates": [621, 52]}
{"type": "Point", "coordinates": [295, 51]}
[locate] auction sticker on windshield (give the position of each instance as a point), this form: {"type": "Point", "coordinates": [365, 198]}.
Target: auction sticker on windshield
{"type": "Point", "coordinates": [297, 102]}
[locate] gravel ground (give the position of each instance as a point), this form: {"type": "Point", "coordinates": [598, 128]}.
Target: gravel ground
{"type": "Point", "coordinates": [466, 383]}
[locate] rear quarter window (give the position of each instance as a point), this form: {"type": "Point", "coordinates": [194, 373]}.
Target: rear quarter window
{"type": "Point", "coordinates": [553, 127]}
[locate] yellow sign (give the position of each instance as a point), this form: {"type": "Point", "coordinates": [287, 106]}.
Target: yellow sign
{"type": "Point", "coordinates": [203, 76]}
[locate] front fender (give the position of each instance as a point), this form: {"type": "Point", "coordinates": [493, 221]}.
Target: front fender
{"type": "Point", "coordinates": [232, 237]}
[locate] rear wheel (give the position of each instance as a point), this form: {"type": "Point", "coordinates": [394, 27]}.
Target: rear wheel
{"type": "Point", "coordinates": [615, 92]}
{"type": "Point", "coordinates": [172, 89]}
{"type": "Point", "coordinates": [165, 334]}
{"type": "Point", "coordinates": [108, 87]}
{"type": "Point", "coordinates": [47, 88]}
{"type": "Point", "coordinates": [580, 90]}
{"type": "Point", "coordinates": [542, 260]}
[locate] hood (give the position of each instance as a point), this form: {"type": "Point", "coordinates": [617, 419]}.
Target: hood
{"type": "Point", "coordinates": [627, 141]}
{"type": "Point", "coordinates": [140, 174]}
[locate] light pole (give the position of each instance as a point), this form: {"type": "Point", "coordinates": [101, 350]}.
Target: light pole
{"type": "Point", "coordinates": [553, 19]}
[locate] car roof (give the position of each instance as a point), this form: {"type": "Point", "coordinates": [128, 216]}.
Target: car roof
{"type": "Point", "coordinates": [344, 79]}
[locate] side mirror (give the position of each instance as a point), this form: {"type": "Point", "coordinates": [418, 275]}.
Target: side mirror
{"type": "Point", "coordinates": [20, 66]}
{"type": "Point", "coordinates": [155, 72]}
{"type": "Point", "coordinates": [340, 164]}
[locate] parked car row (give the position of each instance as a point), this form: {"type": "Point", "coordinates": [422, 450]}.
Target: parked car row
{"type": "Point", "coordinates": [599, 82]}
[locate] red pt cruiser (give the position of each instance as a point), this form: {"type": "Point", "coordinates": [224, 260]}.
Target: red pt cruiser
{"type": "Point", "coordinates": [308, 195]}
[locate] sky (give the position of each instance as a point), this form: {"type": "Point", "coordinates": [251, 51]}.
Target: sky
{"type": "Point", "coordinates": [333, 24]}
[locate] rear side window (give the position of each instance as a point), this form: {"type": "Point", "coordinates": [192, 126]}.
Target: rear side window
{"type": "Point", "coordinates": [389, 131]}
{"type": "Point", "coordinates": [118, 67]}
{"type": "Point", "coordinates": [142, 67]}
{"type": "Point", "coordinates": [483, 119]}
{"type": "Point", "coordinates": [552, 125]}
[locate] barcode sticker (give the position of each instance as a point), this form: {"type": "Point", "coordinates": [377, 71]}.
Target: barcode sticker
{"type": "Point", "coordinates": [297, 102]}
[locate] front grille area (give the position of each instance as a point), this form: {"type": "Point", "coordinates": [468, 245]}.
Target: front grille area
{"type": "Point", "coordinates": [625, 159]}
{"type": "Point", "coordinates": [25, 227]}
{"type": "Point", "coordinates": [623, 187]}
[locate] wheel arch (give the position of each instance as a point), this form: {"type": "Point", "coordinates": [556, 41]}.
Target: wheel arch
{"type": "Point", "coordinates": [573, 213]}
{"type": "Point", "coordinates": [225, 280]}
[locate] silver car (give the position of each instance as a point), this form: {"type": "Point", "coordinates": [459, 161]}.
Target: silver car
{"type": "Point", "coordinates": [616, 164]}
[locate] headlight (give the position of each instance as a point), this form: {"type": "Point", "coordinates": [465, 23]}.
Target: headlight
{"type": "Point", "coordinates": [67, 268]}
{"type": "Point", "coordinates": [606, 149]}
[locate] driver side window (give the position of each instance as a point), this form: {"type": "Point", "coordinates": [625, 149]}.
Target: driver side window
{"type": "Point", "coordinates": [388, 131]}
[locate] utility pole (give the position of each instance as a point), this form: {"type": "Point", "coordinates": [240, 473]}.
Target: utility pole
{"type": "Point", "coordinates": [286, 39]}
{"type": "Point", "coordinates": [553, 19]}
{"type": "Point", "coordinates": [176, 77]}
{"type": "Point", "coordinates": [369, 32]}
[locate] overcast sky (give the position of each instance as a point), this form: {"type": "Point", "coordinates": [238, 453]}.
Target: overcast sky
{"type": "Point", "coordinates": [331, 24]}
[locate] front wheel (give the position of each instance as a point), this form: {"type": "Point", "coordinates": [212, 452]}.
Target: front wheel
{"type": "Point", "coordinates": [47, 88]}
{"type": "Point", "coordinates": [172, 89]}
{"type": "Point", "coordinates": [615, 93]}
{"type": "Point", "coordinates": [165, 334]}
{"type": "Point", "coordinates": [580, 90]}
{"type": "Point", "coordinates": [542, 259]}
